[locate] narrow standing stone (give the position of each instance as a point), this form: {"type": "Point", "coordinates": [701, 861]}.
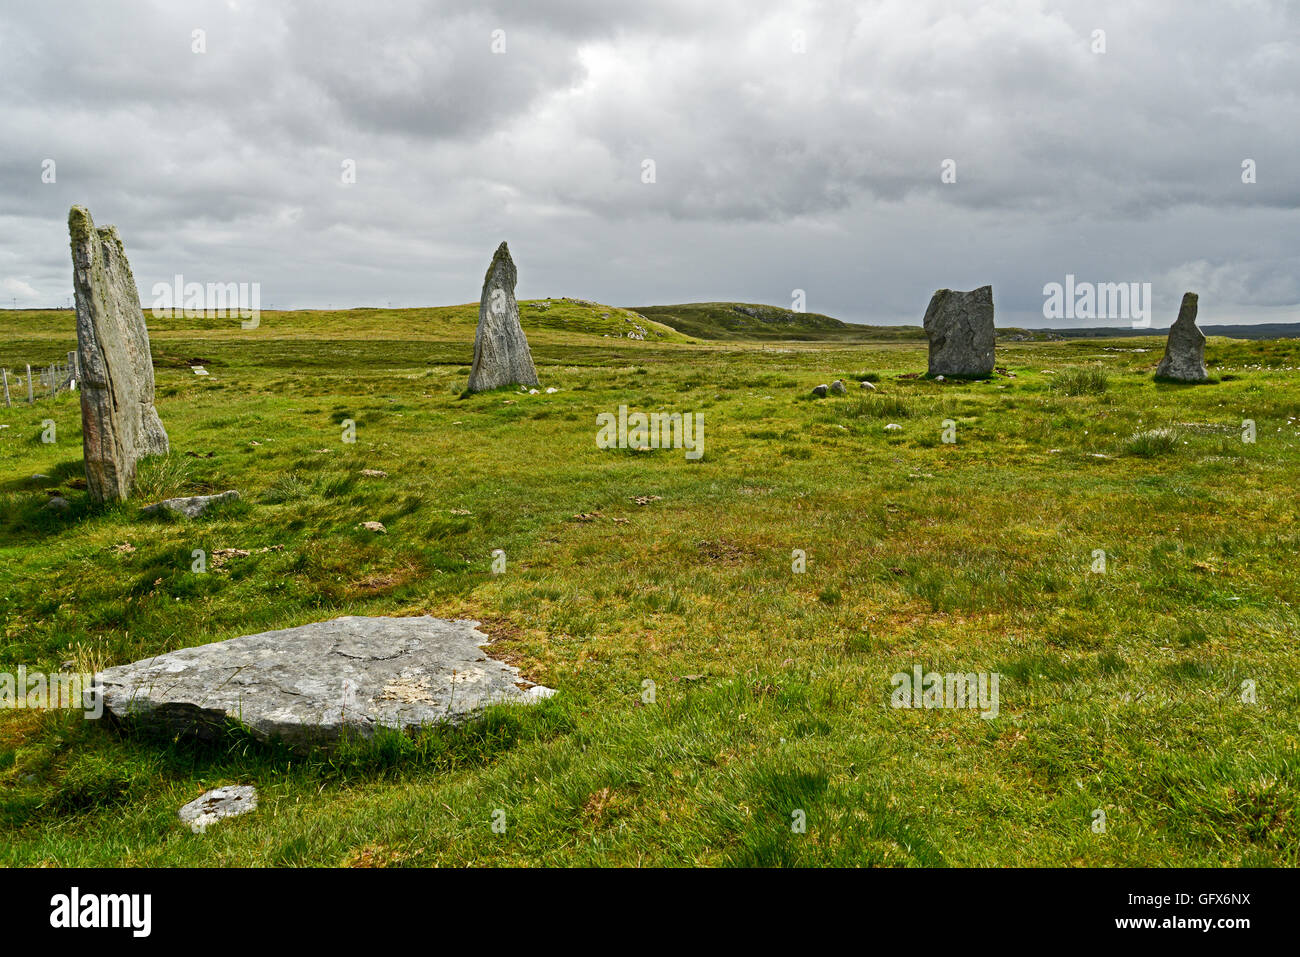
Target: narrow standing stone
{"type": "Point", "coordinates": [119, 424]}
{"type": "Point", "coordinates": [1184, 358]}
{"type": "Point", "coordinates": [501, 354]}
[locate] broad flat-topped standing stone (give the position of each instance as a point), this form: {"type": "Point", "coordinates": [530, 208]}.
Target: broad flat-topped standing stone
{"type": "Point", "coordinates": [307, 685]}
{"type": "Point", "coordinates": [960, 328]}
{"type": "Point", "coordinates": [501, 354]}
{"type": "Point", "coordinates": [119, 424]}
{"type": "Point", "coordinates": [1184, 358]}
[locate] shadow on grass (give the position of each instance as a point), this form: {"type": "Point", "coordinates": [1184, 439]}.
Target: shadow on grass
{"type": "Point", "coordinates": [75, 767]}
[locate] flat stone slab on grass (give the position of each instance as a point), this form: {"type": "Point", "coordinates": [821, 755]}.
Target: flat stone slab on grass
{"type": "Point", "coordinates": [311, 684]}
{"type": "Point", "coordinates": [191, 507]}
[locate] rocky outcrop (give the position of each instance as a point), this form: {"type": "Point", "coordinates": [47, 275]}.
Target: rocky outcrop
{"type": "Point", "coordinates": [1184, 358]}
{"type": "Point", "coordinates": [501, 354]}
{"type": "Point", "coordinates": [119, 424]}
{"type": "Point", "coordinates": [960, 328]}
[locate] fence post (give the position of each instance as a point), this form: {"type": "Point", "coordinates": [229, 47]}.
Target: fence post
{"type": "Point", "coordinates": [30, 397]}
{"type": "Point", "coordinates": [5, 373]}
{"type": "Point", "coordinates": [72, 367]}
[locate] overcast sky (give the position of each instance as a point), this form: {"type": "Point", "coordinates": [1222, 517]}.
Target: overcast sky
{"type": "Point", "coordinates": [774, 169]}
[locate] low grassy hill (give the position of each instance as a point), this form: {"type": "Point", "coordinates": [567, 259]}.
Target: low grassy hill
{"type": "Point", "coordinates": [734, 321]}
{"type": "Point", "coordinates": [42, 336]}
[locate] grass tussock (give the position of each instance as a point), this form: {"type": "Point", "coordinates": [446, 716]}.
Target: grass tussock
{"type": "Point", "coordinates": [1149, 443]}
{"type": "Point", "coordinates": [1080, 380]}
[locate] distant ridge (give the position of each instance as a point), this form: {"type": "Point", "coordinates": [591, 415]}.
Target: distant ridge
{"type": "Point", "coordinates": [735, 321]}
{"type": "Point", "coordinates": [1259, 330]}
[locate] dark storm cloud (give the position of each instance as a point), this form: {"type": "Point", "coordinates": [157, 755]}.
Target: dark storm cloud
{"type": "Point", "coordinates": [774, 169]}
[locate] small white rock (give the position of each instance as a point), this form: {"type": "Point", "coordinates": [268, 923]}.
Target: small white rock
{"type": "Point", "coordinates": [217, 804]}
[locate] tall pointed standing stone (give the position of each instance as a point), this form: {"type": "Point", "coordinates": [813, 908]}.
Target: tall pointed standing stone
{"type": "Point", "coordinates": [960, 328]}
{"type": "Point", "coordinates": [501, 354]}
{"type": "Point", "coordinates": [1184, 358]}
{"type": "Point", "coordinates": [119, 424]}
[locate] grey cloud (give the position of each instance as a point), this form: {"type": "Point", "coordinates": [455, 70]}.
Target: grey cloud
{"type": "Point", "coordinates": [775, 169]}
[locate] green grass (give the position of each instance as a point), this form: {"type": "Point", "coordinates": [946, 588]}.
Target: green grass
{"type": "Point", "coordinates": [1120, 690]}
{"type": "Point", "coordinates": [1152, 442]}
{"type": "Point", "coordinates": [1081, 380]}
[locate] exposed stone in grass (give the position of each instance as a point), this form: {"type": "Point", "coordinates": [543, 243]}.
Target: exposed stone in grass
{"type": "Point", "coordinates": [960, 328]}
{"type": "Point", "coordinates": [191, 507]}
{"type": "Point", "coordinates": [374, 527]}
{"type": "Point", "coordinates": [1184, 358]}
{"type": "Point", "coordinates": [838, 387]}
{"type": "Point", "coordinates": [217, 804]}
{"type": "Point", "coordinates": [312, 684]}
{"type": "Point", "coordinates": [119, 424]}
{"type": "Point", "coordinates": [501, 354]}
{"type": "Point", "coordinates": [374, 473]}
{"type": "Point", "coordinates": [820, 391]}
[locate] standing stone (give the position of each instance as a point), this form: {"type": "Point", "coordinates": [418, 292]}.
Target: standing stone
{"type": "Point", "coordinates": [501, 355]}
{"type": "Point", "coordinates": [1184, 358]}
{"type": "Point", "coordinates": [960, 328]}
{"type": "Point", "coordinates": [118, 421]}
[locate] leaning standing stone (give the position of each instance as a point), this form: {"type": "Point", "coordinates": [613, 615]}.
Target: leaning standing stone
{"type": "Point", "coordinates": [119, 424]}
{"type": "Point", "coordinates": [501, 355]}
{"type": "Point", "coordinates": [960, 328]}
{"type": "Point", "coordinates": [1184, 359]}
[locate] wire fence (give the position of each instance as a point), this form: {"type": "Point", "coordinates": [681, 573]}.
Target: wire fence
{"type": "Point", "coordinates": [41, 382]}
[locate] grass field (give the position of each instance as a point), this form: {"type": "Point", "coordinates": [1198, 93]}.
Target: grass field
{"type": "Point", "coordinates": [1121, 692]}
